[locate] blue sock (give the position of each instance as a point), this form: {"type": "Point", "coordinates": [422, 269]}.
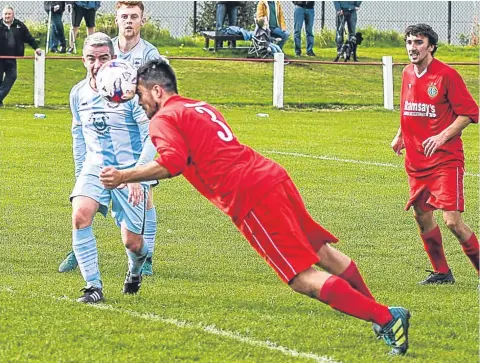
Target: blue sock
{"type": "Point", "coordinates": [150, 230]}
{"type": "Point", "coordinates": [85, 248]}
{"type": "Point", "coordinates": [136, 260]}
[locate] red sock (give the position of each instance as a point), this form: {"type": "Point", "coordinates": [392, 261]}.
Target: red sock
{"type": "Point", "coordinates": [338, 293]}
{"type": "Point", "coordinates": [355, 279]}
{"type": "Point", "coordinates": [470, 248]}
{"type": "Point", "coordinates": [432, 241]}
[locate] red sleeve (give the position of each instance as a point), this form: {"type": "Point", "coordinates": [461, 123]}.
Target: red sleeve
{"type": "Point", "coordinates": [170, 144]}
{"type": "Point", "coordinates": [461, 100]}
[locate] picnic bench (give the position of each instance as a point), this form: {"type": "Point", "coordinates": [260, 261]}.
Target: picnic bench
{"type": "Point", "coordinates": [218, 37]}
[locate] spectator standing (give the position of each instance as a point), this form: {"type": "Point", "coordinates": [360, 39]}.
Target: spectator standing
{"type": "Point", "coordinates": [304, 13]}
{"type": "Point", "coordinates": [83, 10]}
{"type": "Point", "coordinates": [224, 9]}
{"type": "Point", "coordinates": [273, 11]}
{"type": "Point", "coordinates": [55, 10]}
{"type": "Point", "coordinates": [346, 13]}
{"type": "Point", "coordinates": [13, 36]}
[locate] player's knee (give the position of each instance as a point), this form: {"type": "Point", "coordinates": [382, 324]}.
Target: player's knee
{"type": "Point", "coordinates": [133, 244]}
{"type": "Point", "coordinates": [81, 218]}
{"type": "Point", "coordinates": [305, 283]}
{"type": "Point", "coordinates": [452, 223]}
{"type": "Point", "coordinates": [297, 285]}
{"type": "Point", "coordinates": [424, 220]}
{"type": "Point", "coordinates": [419, 218]}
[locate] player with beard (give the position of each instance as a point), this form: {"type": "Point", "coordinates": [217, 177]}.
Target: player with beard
{"type": "Point", "coordinates": [193, 139]}
{"type": "Point", "coordinates": [435, 106]}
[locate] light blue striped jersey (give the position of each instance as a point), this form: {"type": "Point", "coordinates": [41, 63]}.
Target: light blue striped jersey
{"type": "Point", "coordinates": [139, 54]}
{"type": "Point", "coordinates": [106, 133]}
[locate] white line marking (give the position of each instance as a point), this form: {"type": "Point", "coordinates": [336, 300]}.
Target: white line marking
{"type": "Point", "coordinates": [334, 158]}
{"type": "Point", "coordinates": [211, 329]}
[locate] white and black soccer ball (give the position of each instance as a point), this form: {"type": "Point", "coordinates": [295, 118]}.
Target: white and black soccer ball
{"type": "Point", "coordinates": [117, 81]}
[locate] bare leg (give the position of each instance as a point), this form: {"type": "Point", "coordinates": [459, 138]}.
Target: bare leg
{"type": "Point", "coordinates": [466, 237]}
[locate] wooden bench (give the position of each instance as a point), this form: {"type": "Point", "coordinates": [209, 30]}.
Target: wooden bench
{"type": "Point", "coordinates": [218, 37]}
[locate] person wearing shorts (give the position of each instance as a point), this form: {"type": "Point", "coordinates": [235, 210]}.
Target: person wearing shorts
{"type": "Point", "coordinates": [106, 133]}
{"type": "Point", "coordinates": [83, 10]}
{"type": "Point", "coordinates": [193, 139]}
{"type": "Point", "coordinates": [435, 106]}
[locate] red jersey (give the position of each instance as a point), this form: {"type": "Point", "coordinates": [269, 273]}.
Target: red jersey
{"type": "Point", "coordinates": [193, 139]}
{"type": "Point", "coordinates": [428, 105]}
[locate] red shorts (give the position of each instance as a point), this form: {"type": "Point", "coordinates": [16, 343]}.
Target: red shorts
{"type": "Point", "coordinates": [281, 230]}
{"type": "Point", "coordinates": [441, 190]}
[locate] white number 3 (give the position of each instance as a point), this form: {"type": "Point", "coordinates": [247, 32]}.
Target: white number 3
{"type": "Point", "coordinates": [226, 134]}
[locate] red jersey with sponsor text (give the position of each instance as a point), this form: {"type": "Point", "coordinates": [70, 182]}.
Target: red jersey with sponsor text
{"type": "Point", "coordinates": [193, 139]}
{"type": "Point", "coordinates": [430, 103]}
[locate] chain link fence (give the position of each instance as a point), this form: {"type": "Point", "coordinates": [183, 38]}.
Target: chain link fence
{"type": "Point", "coordinates": [454, 21]}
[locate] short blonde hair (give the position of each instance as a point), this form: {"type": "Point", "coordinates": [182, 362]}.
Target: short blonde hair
{"type": "Point", "coordinates": [130, 4]}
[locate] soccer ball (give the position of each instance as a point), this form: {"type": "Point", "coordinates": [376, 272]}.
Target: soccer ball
{"type": "Point", "coordinates": [117, 81]}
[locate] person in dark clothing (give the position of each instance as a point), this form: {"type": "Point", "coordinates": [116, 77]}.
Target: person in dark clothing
{"type": "Point", "coordinates": [346, 13]}
{"type": "Point", "coordinates": [304, 12]}
{"type": "Point", "coordinates": [57, 34]}
{"type": "Point", "coordinates": [82, 10]}
{"type": "Point", "coordinates": [13, 35]}
{"type": "Point", "coordinates": [224, 9]}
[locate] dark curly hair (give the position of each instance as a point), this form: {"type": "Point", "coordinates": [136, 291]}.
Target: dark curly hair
{"type": "Point", "coordinates": [425, 30]}
{"type": "Point", "coordinates": [158, 72]}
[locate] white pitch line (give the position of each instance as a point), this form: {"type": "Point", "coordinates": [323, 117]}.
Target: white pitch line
{"type": "Point", "coordinates": [334, 158]}
{"type": "Point", "coordinates": [212, 329]}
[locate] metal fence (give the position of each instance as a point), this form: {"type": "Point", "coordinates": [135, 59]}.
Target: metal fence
{"type": "Point", "coordinates": [452, 20]}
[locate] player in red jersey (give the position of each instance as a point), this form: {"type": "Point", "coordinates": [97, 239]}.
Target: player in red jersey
{"type": "Point", "coordinates": [193, 139]}
{"type": "Point", "coordinates": [435, 106]}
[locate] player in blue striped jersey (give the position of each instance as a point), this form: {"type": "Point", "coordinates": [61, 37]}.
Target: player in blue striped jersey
{"type": "Point", "coordinates": [106, 133]}
{"type": "Point", "coordinates": [130, 46]}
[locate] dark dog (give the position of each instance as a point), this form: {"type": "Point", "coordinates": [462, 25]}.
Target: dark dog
{"type": "Point", "coordinates": [349, 49]}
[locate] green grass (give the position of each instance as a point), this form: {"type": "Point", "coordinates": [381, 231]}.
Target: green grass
{"type": "Point", "coordinates": [205, 272]}
{"type": "Point", "coordinates": [212, 299]}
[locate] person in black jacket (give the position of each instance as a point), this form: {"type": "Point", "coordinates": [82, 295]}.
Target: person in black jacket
{"type": "Point", "coordinates": [57, 34]}
{"type": "Point", "coordinates": [13, 35]}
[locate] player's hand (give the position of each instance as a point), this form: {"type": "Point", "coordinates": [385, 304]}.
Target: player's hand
{"type": "Point", "coordinates": [397, 145]}
{"type": "Point", "coordinates": [340, 12]}
{"type": "Point", "coordinates": [135, 193]}
{"type": "Point", "coordinates": [110, 177]}
{"type": "Point", "coordinates": [38, 51]}
{"type": "Point", "coordinates": [432, 144]}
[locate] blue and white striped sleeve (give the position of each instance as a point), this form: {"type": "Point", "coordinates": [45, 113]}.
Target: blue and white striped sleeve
{"type": "Point", "coordinates": [148, 151]}
{"type": "Point", "coordinates": [78, 145]}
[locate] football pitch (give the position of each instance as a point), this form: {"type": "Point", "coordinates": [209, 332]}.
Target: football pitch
{"type": "Point", "coordinates": [211, 298]}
